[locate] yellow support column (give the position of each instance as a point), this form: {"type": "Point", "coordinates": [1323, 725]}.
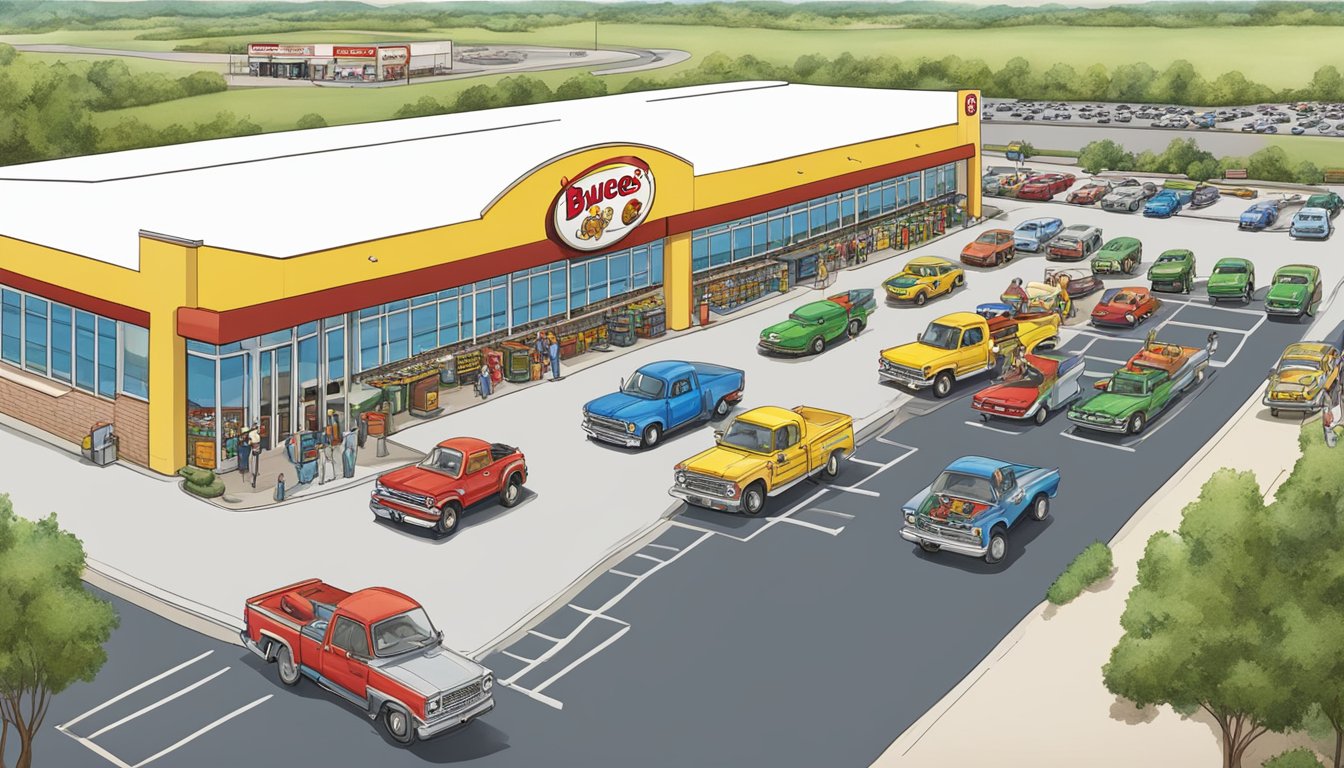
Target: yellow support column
{"type": "Point", "coordinates": [169, 264]}
{"type": "Point", "coordinates": [970, 134]}
{"type": "Point", "coordinates": [677, 283]}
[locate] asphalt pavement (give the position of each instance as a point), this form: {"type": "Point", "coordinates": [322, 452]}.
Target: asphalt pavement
{"type": "Point", "coordinates": [1135, 139]}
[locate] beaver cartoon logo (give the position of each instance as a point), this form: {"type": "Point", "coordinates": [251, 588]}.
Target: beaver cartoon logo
{"type": "Point", "coordinates": [603, 204]}
{"type": "Point", "coordinates": [592, 227]}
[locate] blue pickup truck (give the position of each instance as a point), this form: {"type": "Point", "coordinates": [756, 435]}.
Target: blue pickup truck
{"type": "Point", "coordinates": [661, 397]}
{"type": "Point", "coordinates": [970, 507]}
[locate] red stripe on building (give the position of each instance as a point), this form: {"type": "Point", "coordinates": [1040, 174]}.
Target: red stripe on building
{"type": "Point", "coordinates": [76, 299]}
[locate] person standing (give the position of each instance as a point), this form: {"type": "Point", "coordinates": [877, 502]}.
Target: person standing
{"type": "Point", "coordinates": [328, 460]}
{"type": "Point", "coordinates": [543, 348]}
{"type": "Point", "coordinates": [254, 440]}
{"type": "Point", "coordinates": [244, 456]}
{"type": "Point", "coordinates": [349, 448]}
{"type": "Point", "coordinates": [555, 357]}
{"type": "Point", "coordinates": [821, 272]}
{"type": "Point", "coordinates": [280, 487]}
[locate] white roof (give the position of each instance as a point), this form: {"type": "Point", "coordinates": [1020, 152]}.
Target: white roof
{"type": "Point", "coordinates": [285, 194]}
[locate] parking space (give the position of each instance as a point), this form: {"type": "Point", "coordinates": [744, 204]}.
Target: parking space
{"type": "Point", "coordinates": [184, 706]}
{"type": "Point", "coordinates": [1321, 119]}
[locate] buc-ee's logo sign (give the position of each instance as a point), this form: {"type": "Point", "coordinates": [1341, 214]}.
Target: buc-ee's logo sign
{"type": "Point", "coordinates": [602, 205]}
{"type": "Point", "coordinates": [972, 104]}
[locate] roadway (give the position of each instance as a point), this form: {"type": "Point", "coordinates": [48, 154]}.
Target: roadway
{"type": "Point", "coordinates": [810, 636]}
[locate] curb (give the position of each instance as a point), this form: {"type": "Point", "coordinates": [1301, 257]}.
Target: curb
{"type": "Point", "coordinates": [173, 607]}
{"type": "Point", "coordinates": [917, 730]}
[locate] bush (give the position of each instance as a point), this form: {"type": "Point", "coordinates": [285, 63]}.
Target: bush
{"type": "Point", "coordinates": [201, 482]}
{"type": "Point", "coordinates": [1294, 758]}
{"type": "Point", "coordinates": [312, 120]}
{"type": "Point", "coordinates": [1090, 566]}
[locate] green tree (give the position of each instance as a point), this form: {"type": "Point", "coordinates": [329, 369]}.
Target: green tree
{"type": "Point", "coordinates": [1059, 82]}
{"type": "Point", "coordinates": [1179, 83]}
{"type": "Point", "coordinates": [1269, 164]}
{"type": "Point", "coordinates": [1294, 758]}
{"type": "Point", "coordinates": [312, 120]}
{"type": "Point", "coordinates": [1200, 629]}
{"type": "Point", "coordinates": [8, 54]}
{"type": "Point", "coordinates": [1203, 170]}
{"type": "Point", "coordinates": [1326, 84]}
{"type": "Point", "coordinates": [1014, 79]}
{"type": "Point", "coordinates": [522, 89]}
{"type": "Point", "coordinates": [1095, 82]}
{"type": "Point", "coordinates": [1180, 154]}
{"type": "Point", "coordinates": [53, 630]}
{"type": "Point", "coordinates": [1129, 82]}
{"type": "Point", "coordinates": [807, 64]}
{"type": "Point", "coordinates": [425, 106]}
{"type": "Point", "coordinates": [198, 83]}
{"type": "Point", "coordinates": [1148, 161]}
{"type": "Point", "coordinates": [1307, 172]}
{"type": "Point", "coordinates": [475, 98]}
{"type": "Point", "coordinates": [581, 87]}
{"type": "Point", "coordinates": [1102, 155]}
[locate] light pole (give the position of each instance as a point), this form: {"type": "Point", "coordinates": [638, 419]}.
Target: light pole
{"type": "Point", "coordinates": [594, 34]}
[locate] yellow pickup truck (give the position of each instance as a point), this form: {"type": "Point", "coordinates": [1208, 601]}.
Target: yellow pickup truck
{"type": "Point", "coordinates": [962, 344]}
{"type": "Point", "coordinates": [763, 453]}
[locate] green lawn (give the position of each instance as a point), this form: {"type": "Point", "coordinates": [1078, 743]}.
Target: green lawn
{"type": "Point", "coordinates": [135, 65]}
{"type": "Point", "coordinates": [1325, 153]}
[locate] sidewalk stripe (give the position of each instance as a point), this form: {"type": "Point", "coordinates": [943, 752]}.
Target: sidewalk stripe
{"type": "Point", "coordinates": [882, 439]}
{"type": "Point", "coordinates": [813, 526]}
{"type": "Point", "coordinates": [157, 704]}
{"type": "Point", "coordinates": [204, 730]}
{"type": "Point", "coordinates": [649, 557]}
{"type": "Point", "coordinates": [137, 688]}
{"type": "Point", "coordinates": [598, 649]}
{"type": "Point", "coordinates": [663, 546]}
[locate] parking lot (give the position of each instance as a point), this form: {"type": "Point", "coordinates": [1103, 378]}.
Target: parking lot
{"type": "Point", "coordinates": [1324, 119]}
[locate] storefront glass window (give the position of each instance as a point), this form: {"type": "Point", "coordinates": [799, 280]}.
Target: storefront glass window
{"type": "Point", "coordinates": [597, 280]}
{"type": "Point", "coordinates": [779, 234]}
{"type": "Point", "coordinates": [700, 253]}
{"type": "Point", "coordinates": [308, 360]}
{"type": "Point", "coordinates": [448, 321]}
{"type": "Point", "coordinates": [798, 228]}
{"type": "Point", "coordinates": [11, 323]}
{"type": "Point", "coordinates": [758, 239]}
{"type": "Point", "coordinates": [492, 305]}
{"type": "Point", "coordinates": [656, 263]}
{"type": "Point", "coordinates": [467, 322]}
{"type": "Point", "coordinates": [847, 210]}
{"type": "Point", "coordinates": [396, 337]}
{"type": "Point", "coordinates": [85, 343]}
{"type": "Point", "coordinates": [419, 301]}
{"type": "Point", "coordinates": [35, 335]}
{"type": "Point", "coordinates": [833, 215]}
{"type": "Point", "coordinates": [336, 354]}
{"type": "Point", "coordinates": [277, 338]}
{"type": "Point", "coordinates": [201, 411]}
{"type": "Point", "coordinates": [720, 249]}
{"type": "Point", "coordinates": [639, 266]}
{"type": "Point", "coordinates": [618, 267]}
{"type": "Point", "coordinates": [741, 243]}
{"type": "Point", "coordinates": [559, 301]}
{"type": "Point", "coordinates": [134, 359]}
{"type": "Point", "coordinates": [107, 357]}
{"type": "Point", "coordinates": [424, 328]}
{"type": "Point", "coordinates": [62, 343]}
{"type": "Point", "coordinates": [308, 328]}
{"type": "Point", "coordinates": [233, 397]}
{"type": "Point", "coordinates": [930, 184]}
{"type": "Point", "coordinates": [368, 344]}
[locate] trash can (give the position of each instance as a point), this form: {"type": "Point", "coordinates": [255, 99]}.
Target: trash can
{"type": "Point", "coordinates": [100, 445]}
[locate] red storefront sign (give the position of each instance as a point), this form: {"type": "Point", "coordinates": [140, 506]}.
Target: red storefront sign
{"type": "Point", "coordinates": [354, 51]}
{"type": "Point", "coordinates": [972, 104]}
{"type": "Point", "coordinates": [603, 204]}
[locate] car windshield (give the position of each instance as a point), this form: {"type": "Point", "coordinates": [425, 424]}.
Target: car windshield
{"type": "Point", "coordinates": [447, 461]}
{"type": "Point", "coordinates": [1230, 269]}
{"type": "Point", "coordinates": [748, 437]}
{"type": "Point", "coordinates": [1298, 364]}
{"type": "Point", "coordinates": [964, 486]}
{"type": "Point", "coordinates": [1028, 228]}
{"type": "Point", "coordinates": [643, 385]}
{"type": "Point", "coordinates": [924, 271]}
{"type": "Point", "coordinates": [1125, 297]}
{"type": "Point", "coordinates": [402, 633]}
{"type": "Point", "coordinates": [941, 336]}
{"type": "Point", "coordinates": [1290, 280]}
{"type": "Point", "coordinates": [1309, 217]}
{"type": "Point", "coordinates": [988, 237]}
{"type": "Point", "coordinates": [1125, 386]}
{"type": "Point", "coordinates": [1067, 241]}
{"type": "Point", "coordinates": [1167, 258]}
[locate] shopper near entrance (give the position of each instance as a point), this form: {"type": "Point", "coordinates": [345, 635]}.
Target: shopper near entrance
{"type": "Point", "coordinates": [555, 358]}
{"type": "Point", "coordinates": [254, 439]}
{"type": "Point", "coordinates": [821, 273]}
{"type": "Point", "coordinates": [244, 455]}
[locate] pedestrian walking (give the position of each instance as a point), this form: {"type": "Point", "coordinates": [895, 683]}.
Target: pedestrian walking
{"type": "Point", "coordinates": [254, 439]}
{"type": "Point", "coordinates": [821, 272]}
{"type": "Point", "coordinates": [554, 353]}
{"type": "Point", "coordinates": [349, 451]}
{"type": "Point", "coordinates": [280, 487]}
{"type": "Point", "coordinates": [328, 461]}
{"type": "Point", "coordinates": [483, 385]}
{"type": "Point", "coordinates": [244, 456]}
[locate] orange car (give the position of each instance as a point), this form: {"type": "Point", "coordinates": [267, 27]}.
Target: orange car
{"type": "Point", "coordinates": [990, 249]}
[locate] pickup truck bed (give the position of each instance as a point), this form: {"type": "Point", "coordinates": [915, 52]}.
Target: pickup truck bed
{"type": "Point", "coordinates": [820, 418]}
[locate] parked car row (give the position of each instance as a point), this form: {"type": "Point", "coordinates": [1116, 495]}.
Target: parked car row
{"type": "Point", "coordinates": [1325, 119]}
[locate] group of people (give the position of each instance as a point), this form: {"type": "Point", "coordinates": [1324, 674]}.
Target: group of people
{"type": "Point", "coordinates": [330, 440]}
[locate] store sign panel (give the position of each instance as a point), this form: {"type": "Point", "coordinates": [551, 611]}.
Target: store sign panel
{"type": "Point", "coordinates": [354, 52]}
{"type": "Point", "coordinates": [603, 204]}
{"type": "Point", "coordinates": [273, 49]}
{"type": "Point", "coordinates": [972, 104]}
{"type": "Point", "coordinates": [394, 55]}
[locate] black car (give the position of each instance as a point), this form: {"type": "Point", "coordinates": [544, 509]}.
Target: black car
{"type": "Point", "coordinates": [1103, 119]}
{"type": "Point", "coordinates": [1204, 196]}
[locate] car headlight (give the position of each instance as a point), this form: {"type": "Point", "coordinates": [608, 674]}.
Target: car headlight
{"type": "Point", "coordinates": [1129, 317]}
{"type": "Point", "coordinates": [630, 427]}
{"type": "Point", "coordinates": [774, 337]}
{"type": "Point", "coordinates": [487, 682]}
{"type": "Point", "coordinates": [681, 478]}
{"type": "Point", "coordinates": [910, 518]}
{"type": "Point", "coordinates": [378, 486]}
{"type": "Point", "coordinates": [975, 531]}
{"type": "Point", "coordinates": [732, 492]}
{"type": "Point", "coordinates": [927, 369]}
{"type": "Point", "coordinates": [432, 706]}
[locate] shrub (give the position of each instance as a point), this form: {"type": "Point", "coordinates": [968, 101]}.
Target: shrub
{"type": "Point", "coordinates": [1090, 566]}
{"type": "Point", "coordinates": [201, 482]}
{"type": "Point", "coordinates": [312, 120]}
{"type": "Point", "coordinates": [1294, 758]}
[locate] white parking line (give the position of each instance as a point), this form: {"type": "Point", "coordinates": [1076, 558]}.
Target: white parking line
{"type": "Point", "coordinates": [830, 512]}
{"type": "Point", "coordinates": [852, 489]}
{"type": "Point", "coordinates": [547, 700]}
{"type": "Point", "coordinates": [979, 425]}
{"type": "Point", "coordinates": [519, 658]}
{"type": "Point", "coordinates": [97, 750]}
{"type": "Point", "coordinates": [882, 439]}
{"type": "Point", "coordinates": [865, 462]}
{"type": "Point", "coordinates": [813, 526]}
{"type": "Point", "coordinates": [622, 573]}
{"type": "Point", "coordinates": [649, 557]}
{"type": "Point", "coordinates": [156, 705]}
{"type": "Point", "coordinates": [910, 450]}
{"type": "Point", "coordinates": [543, 637]}
{"type": "Point", "coordinates": [598, 649]}
{"type": "Point", "coordinates": [663, 546]}
{"type": "Point", "coordinates": [139, 687]}
{"type": "Point", "coordinates": [1069, 434]}
{"type": "Point", "coordinates": [204, 730]}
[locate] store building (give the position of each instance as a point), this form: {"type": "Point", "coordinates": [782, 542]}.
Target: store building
{"type": "Point", "coordinates": [138, 289]}
{"type": "Point", "coordinates": [368, 63]}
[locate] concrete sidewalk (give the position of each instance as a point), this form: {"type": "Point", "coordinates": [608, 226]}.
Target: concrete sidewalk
{"type": "Point", "coordinates": [1038, 697]}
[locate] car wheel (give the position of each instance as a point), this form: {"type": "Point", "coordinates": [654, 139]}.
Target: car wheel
{"type": "Point", "coordinates": [753, 500]}
{"type": "Point", "coordinates": [512, 492]}
{"type": "Point", "coordinates": [1042, 414]}
{"type": "Point", "coordinates": [929, 546]}
{"type": "Point", "coordinates": [1136, 423]}
{"type": "Point", "coordinates": [818, 345]}
{"type": "Point", "coordinates": [1199, 377]}
{"type": "Point", "coordinates": [1250, 294]}
{"type": "Point", "coordinates": [1274, 412]}
{"type": "Point", "coordinates": [1133, 207]}
{"type": "Point", "coordinates": [959, 281]}
{"type": "Point", "coordinates": [398, 725]}
{"type": "Point", "coordinates": [854, 327]}
{"type": "Point", "coordinates": [832, 468]}
{"type": "Point", "coordinates": [920, 298]}
{"type": "Point", "coordinates": [1311, 310]}
{"type": "Point", "coordinates": [285, 667]}
{"type": "Point", "coordinates": [1129, 266]}
{"type": "Point", "coordinates": [1040, 507]}
{"type": "Point", "coordinates": [722, 408]}
{"type": "Point", "coordinates": [652, 434]}
{"type": "Point", "coordinates": [1009, 254]}
{"type": "Point", "coordinates": [998, 546]}
{"type": "Point", "coordinates": [942, 385]}
{"type": "Point", "coordinates": [448, 519]}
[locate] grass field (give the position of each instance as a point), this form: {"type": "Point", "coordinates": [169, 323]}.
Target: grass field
{"type": "Point", "coordinates": [1325, 153]}
{"type": "Point", "coordinates": [170, 68]}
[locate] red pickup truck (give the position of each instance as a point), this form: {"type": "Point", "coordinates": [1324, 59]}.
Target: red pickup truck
{"type": "Point", "coordinates": [375, 648]}
{"type": "Point", "coordinates": [458, 473]}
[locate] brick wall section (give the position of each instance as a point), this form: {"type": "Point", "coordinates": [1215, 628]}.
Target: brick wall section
{"type": "Point", "coordinates": [70, 416]}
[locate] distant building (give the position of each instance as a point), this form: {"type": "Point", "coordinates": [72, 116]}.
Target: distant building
{"type": "Point", "coordinates": [367, 63]}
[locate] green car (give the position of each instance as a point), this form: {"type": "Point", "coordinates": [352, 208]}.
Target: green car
{"type": "Point", "coordinates": [1174, 270]}
{"type": "Point", "coordinates": [1330, 201]}
{"type": "Point", "coordinates": [1118, 255]}
{"type": "Point", "coordinates": [1132, 398]}
{"type": "Point", "coordinates": [812, 326]}
{"type": "Point", "coordinates": [1232, 279]}
{"type": "Point", "coordinates": [1294, 291]}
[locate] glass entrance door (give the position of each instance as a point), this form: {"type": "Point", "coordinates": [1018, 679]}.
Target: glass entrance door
{"type": "Point", "coordinates": [310, 394]}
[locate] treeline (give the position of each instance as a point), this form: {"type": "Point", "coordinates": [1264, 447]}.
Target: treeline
{"type": "Point", "coordinates": [180, 19]}
{"type": "Point", "coordinates": [1183, 156]}
{"type": "Point", "coordinates": [46, 110]}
